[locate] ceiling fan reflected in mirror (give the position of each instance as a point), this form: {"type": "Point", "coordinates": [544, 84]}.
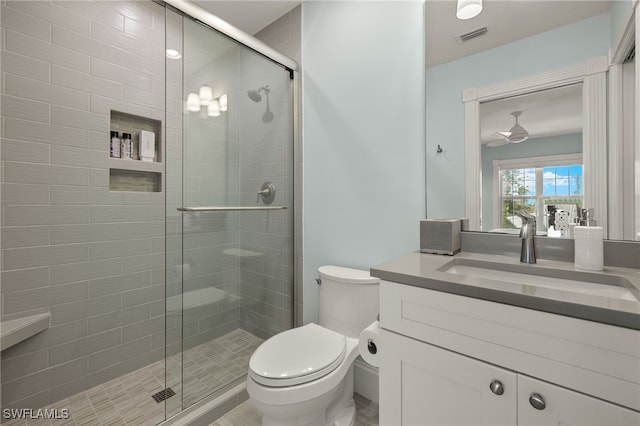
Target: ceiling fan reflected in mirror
{"type": "Point", "coordinates": [516, 134]}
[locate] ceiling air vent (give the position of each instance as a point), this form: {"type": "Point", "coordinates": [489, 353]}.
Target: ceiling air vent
{"type": "Point", "coordinates": [473, 34]}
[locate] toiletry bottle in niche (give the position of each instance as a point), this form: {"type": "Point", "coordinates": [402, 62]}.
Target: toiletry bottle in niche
{"type": "Point", "coordinates": [126, 145]}
{"type": "Point", "coordinates": [588, 243]}
{"type": "Point", "coordinates": [114, 147]}
{"type": "Point", "coordinates": [135, 148]}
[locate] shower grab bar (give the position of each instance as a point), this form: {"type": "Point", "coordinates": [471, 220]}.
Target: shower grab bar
{"type": "Point", "coordinates": [229, 209]}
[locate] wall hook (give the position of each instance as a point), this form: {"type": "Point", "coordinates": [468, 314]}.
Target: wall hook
{"type": "Point", "coordinates": [439, 150]}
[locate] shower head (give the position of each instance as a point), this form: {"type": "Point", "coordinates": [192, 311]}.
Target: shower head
{"type": "Point", "coordinates": [254, 94]}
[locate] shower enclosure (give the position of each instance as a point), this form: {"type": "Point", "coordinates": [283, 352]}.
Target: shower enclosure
{"type": "Point", "coordinates": [229, 208]}
{"type": "Point", "coordinates": [147, 284]}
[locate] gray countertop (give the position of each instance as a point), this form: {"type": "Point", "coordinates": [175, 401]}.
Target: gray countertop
{"type": "Point", "coordinates": [427, 271]}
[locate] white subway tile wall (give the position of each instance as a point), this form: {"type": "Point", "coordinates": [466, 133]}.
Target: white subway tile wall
{"type": "Point", "coordinates": [209, 180]}
{"type": "Point", "coordinates": [285, 35]}
{"type": "Point", "coordinates": [95, 258]}
{"type": "Point", "coordinates": [226, 159]}
{"type": "Point", "coordinates": [91, 257]}
{"type": "Point", "coordinates": [125, 399]}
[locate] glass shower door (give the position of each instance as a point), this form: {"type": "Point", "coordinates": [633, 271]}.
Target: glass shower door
{"type": "Point", "coordinates": [233, 245]}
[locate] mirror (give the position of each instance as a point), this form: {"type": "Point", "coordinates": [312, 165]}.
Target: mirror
{"type": "Point", "coordinates": [461, 92]}
{"type": "Point", "coordinates": [531, 160]}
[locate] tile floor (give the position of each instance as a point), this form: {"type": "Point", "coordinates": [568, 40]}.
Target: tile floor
{"type": "Point", "coordinates": [210, 366]}
{"type": "Point", "coordinates": [127, 400]}
{"type": "Point", "coordinates": [246, 415]}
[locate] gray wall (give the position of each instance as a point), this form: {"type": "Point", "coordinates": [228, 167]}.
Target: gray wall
{"type": "Point", "coordinates": [92, 257]}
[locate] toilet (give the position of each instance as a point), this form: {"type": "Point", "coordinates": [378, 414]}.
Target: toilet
{"type": "Point", "coordinates": [304, 376]}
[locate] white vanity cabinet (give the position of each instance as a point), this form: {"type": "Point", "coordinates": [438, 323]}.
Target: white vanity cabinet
{"type": "Point", "coordinates": [544, 404]}
{"type": "Point", "coordinates": [453, 360]}
{"type": "Point", "coordinates": [421, 384]}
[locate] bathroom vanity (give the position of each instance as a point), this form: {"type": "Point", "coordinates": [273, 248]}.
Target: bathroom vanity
{"type": "Point", "coordinates": [481, 339]}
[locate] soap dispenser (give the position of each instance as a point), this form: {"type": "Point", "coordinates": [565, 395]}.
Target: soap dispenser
{"type": "Point", "coordinates": [588, 243]}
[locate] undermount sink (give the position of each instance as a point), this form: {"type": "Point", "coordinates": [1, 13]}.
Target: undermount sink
{"type": "Point", "coordinates": [592, 283]}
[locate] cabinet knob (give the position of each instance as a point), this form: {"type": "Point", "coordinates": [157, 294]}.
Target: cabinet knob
{"type": "Point", "coordinates": [537, 401]}
{"type": "Point", "coordinates": [497, 387]}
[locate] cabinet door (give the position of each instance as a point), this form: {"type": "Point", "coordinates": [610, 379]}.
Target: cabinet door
{"type": "Point", "coordinates": [542, 404]}
{"type": "Point", "coordinates": [424, 385]}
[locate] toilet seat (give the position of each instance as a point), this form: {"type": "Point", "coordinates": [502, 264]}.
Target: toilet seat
{"type": "Point", "coordinates": [297, 356]}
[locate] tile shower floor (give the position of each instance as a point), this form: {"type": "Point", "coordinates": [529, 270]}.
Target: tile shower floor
{"type": "Point", "coordinates": [127, 400]}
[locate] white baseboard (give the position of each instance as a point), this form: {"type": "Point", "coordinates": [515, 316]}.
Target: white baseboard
{"type": "Point", "coordinates": [366, 380]}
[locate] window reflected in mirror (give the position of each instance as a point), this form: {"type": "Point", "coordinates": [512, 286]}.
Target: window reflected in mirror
{"type": "Point", "coordinates": [551, 190]}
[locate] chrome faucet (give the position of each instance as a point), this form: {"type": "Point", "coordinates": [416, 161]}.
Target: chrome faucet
{"type": "Point", "coordinates": [527, 233]}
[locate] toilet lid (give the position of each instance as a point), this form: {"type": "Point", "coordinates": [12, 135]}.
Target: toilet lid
{"type": "Point", "coordinates": [297, 356]}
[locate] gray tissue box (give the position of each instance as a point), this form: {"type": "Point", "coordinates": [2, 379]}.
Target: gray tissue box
{"type": "Point", "coordinates": [440, 236]}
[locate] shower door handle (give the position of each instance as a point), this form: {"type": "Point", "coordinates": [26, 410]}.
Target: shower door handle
{"type": "Point", "coordinates": [229, 209]}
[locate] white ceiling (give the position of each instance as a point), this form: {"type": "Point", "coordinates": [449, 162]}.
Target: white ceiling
{"type": "Point", "coordinates": [248, 15]}
{"type": "Point", "coordinates": [506, 21]}
{"type": "Point", "coordinates": [545, 113]}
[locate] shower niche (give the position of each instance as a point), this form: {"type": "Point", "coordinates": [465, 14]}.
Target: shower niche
{"type": "Point", "coordinates": [134, 174]}
{"type": "Point", "coordinates": [134, 181]}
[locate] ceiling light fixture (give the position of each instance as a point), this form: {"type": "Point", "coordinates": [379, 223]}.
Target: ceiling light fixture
{"type": "Point", "coordinates": [173, 46]}
{"type": "Point", "coordinates": [173, 54]}
{"type": "Point", "coordinates": [204, 98]}
{"type": "Point", "coordinates": [468, 9]}
{"type": "Point", "coordinates": [223, 99]}
{"type": "Point", "coordinates": [206, 95]}
{"type": "Point", "coordinates": [213, 110]}
{"type": "Point", "coordinates": [193, 102]}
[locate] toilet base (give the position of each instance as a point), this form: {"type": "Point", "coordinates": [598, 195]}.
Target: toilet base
{"type": "Point", "coordinates": [334, 408]}
{"type": "Point", "coordinates": [347, 416]}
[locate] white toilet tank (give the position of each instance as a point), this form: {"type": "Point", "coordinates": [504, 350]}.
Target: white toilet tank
{"type": "Point", "coordinates": [348, 299]}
